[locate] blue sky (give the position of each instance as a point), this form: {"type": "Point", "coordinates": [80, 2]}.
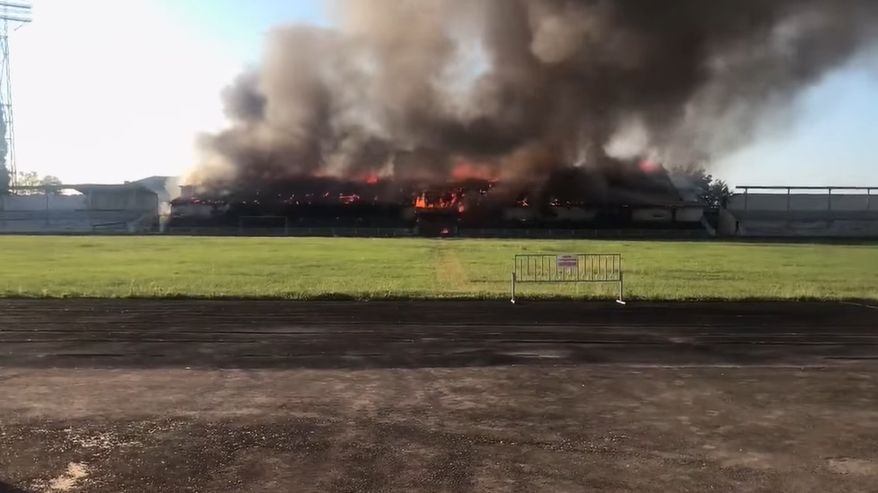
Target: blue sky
{"type": "Point", "coordinates": [243, 24]}
{"type": "Point", "coordinates": [832, 138]}
{"type": "Point", "coordinates": [109, 90]}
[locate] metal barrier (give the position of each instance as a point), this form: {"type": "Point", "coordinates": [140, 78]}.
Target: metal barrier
{"type": "Point", "coordinates": [573, 268]}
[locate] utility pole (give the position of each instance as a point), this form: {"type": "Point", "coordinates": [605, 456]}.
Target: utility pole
{"type": "Point", "coordinates": [13, 15]}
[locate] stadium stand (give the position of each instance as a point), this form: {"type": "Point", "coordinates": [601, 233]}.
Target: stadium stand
{"type": "Point", "coordinates": [807, 212]}
{"type": "Point", "coordinates": [126, 208]}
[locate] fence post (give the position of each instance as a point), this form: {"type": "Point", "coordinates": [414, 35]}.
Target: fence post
{"type": "Point", "coordinates": [513, 287]}
{"type": "Point", "coordinates": [621, 299]}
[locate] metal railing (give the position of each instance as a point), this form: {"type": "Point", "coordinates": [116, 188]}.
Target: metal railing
{"type": "Point", "coordinates": [572, 268]}
{"type": "Point", "coordinates": [868, 192]}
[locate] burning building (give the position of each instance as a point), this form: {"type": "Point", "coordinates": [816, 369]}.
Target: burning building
{"type": "Point", "coordinates": [622, 196]}
{"type": "Point", "coordinates": [461, 114]}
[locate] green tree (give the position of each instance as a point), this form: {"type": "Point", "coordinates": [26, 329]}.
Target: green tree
{"type": "Point", "coordinates": [717, 194]}
{"type": "Point", "coordinates": [27, 179]}
{"type": "Point", "coordinates": [698, 183]}
{"type": "Point", "coordinates": [32, 179]}
{"type": "Point", "coordinates": [50, 181]}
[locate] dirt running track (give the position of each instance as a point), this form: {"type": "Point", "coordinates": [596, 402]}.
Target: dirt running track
{"type": "Point", "coordinates": [437, 396]}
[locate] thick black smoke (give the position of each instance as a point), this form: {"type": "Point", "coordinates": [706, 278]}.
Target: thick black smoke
{"type": "Point", "coordinates": [414, 88]}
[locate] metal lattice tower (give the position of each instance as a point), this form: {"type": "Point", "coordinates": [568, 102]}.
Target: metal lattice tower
{"type": "Point", "coordinates": [12, 16]}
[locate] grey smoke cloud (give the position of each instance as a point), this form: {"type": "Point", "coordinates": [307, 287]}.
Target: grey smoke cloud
{"type": "Point", "coordinates": [411, 88]}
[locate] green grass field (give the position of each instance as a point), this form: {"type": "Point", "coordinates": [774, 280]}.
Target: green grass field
{"type": "Point", "coordinates": [309, 268]}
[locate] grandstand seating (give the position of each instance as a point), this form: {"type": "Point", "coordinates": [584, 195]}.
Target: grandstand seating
{"type": "Point", "coordinates": [104, 209]}
{"type": "Point", "coordinates": [829, 214]}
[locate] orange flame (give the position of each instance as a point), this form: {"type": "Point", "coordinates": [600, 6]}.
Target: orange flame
{"type": "Point", "coordinates": [453, 200]}
{"type": "Point", "coordinates": [465, 170]}
{"type": "Point", "coordinates": [421, 202]}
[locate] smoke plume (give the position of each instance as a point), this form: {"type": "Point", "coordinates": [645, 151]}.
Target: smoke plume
{"type": "Point", "coordinates": [515, 88]}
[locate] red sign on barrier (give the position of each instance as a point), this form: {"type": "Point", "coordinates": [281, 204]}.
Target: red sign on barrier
{"type": "Point", "coordinates": [566, 261]}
